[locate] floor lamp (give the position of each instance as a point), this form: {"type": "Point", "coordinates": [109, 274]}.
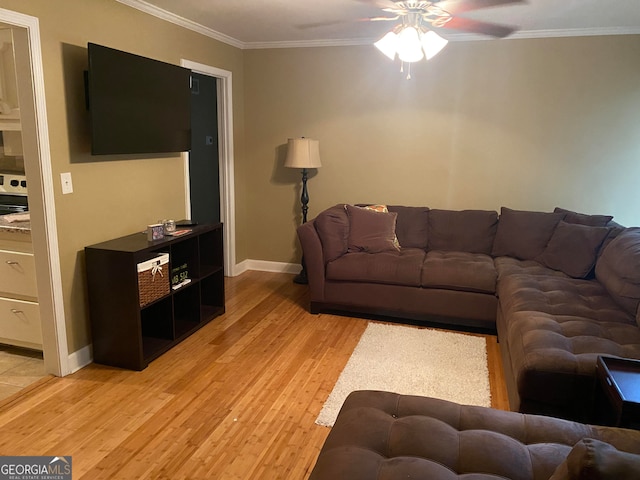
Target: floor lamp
{"type": "Point", "coordinates": [303, 153]}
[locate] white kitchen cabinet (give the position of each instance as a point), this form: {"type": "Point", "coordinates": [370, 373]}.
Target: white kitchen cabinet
{"type": "Point", "coordinates": [17, 275]}
{"type": "Point", "coordinates": [20, 323]}
{"type": "Point", "coordinates": [19, 309]}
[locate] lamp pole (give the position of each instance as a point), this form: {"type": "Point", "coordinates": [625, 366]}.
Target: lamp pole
{"type": "Point", "coordinates": [303, 153]}
{"type": "Point", "coordinates": [301, 278]}
{"type": "Point", "coordinates": [304, 197]}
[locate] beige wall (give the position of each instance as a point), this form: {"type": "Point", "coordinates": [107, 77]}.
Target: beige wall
{"type": "Point", "coordinates": [113, 195]}
{"type": "Point", "coordinates": [529, 124]}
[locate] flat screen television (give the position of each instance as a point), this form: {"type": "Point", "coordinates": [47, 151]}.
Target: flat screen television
{"type": "Point", "coordinates": [137, 105]}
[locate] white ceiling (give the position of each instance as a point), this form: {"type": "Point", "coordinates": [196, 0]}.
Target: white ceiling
{"type": "Point", "coordinates": [282, 23]}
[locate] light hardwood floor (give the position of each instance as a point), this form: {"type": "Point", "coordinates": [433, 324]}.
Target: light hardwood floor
{"type": "Point", "coordinates": [236, 400]}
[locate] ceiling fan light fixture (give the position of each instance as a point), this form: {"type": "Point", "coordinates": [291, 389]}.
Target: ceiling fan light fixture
{"type": "Point", "coordinates": [409, 47]}
{"type": "Point", "coordinates": [432, 43]}
{"type": "Point", "coordinates": [388, 45]}
{"type": "Point", "coordinates": [413, 39]}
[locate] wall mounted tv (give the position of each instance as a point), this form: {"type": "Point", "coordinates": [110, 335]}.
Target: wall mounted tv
{"type": "Point", "coordinates": [137, 105]}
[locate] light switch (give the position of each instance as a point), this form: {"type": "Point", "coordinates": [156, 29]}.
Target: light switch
{"type": "Point", "coordinates": [67, 184]}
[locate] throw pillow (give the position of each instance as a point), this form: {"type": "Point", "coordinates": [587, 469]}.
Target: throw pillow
{"type": "Point", "coordinates": [383, 209]}
{"type": "Point", "coordinates": [411, 226]}
{"type": "Point", "coordinates": [522, 234]}
{"type": "Point", "coordinates": [573, 248]}
{"type": "Point", "coordinates": [332, 225]}
{"type": "Point", "coordinates": [370, 231]}
{"type": "Point", "coordinates": [377, 208]}
{"type": "Point", "coordinates": [470, 231]}
{"type": "Point", "coordinates": [592, 459]}
{"type": "Point", "coordinates": [584, 219]}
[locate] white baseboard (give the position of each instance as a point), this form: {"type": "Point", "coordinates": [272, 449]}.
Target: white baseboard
{"type": "Point", "coordinates": [265, 266]}
{"type": "Point", "coordinates": [80, 358]}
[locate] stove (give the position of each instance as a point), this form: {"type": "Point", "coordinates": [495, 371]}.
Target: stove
{"type": "Point", "coordinates": [13, 193]}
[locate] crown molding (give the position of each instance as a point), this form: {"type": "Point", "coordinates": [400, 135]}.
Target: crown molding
{"type": "Point", "coordinates": [577, 32]}
{"type": "Point", "coordinates": [344, 42]}
{"type": "Point", "coordinates": [455, 37]}
{"type": "Point", "coordinates": [182, 22]}
{"type": "Point", "coordinates": [350, 42]}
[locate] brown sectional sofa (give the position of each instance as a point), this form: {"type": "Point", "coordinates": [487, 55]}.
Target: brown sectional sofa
{"type": "Point", "coordinates": [443, 271]}
{"type": "Point", "coordinates": [560, 288]}
{"type": "Point", "coordinates": [382, 435]}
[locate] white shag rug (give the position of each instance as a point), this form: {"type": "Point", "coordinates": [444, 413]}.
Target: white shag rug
{"type": "Point", "coordinates": [414, 361]}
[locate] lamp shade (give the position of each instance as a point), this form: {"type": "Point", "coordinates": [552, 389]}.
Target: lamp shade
{"type": "Point", "coordinates": [303, 153]}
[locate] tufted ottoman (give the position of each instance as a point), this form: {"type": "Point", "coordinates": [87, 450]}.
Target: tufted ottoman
{"type": "Point", "coordinates": [382, 435]}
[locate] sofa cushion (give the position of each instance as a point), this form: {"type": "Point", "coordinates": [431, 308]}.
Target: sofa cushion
{"type": "Point", "coordinates": [390, 267]}
{"type": "Point", "coordinates": [332, 226]}
{"type": "Point", "coordinates": [411, 225]}
{"type": "Point", "coordinates": [523, 234]}
{"type": "Point", "coordinates": [472, 272]}
{"type": "Point", "coordinates": [573, 248]}
{"type": "Point", "coordinates": [592, 459]}
{"type": "Point", "coordinates": [506, 266]}
{"type": "Point", "coordinates": [370, 231]}
{"type": "Point", "coordinates": [560, 296]}
{"type": "Point", "coordinates": [618, 269]}
{"type": "Point", "coordinates": [462, 231]}
{"type": "Point", "coordinates": [584, 219]}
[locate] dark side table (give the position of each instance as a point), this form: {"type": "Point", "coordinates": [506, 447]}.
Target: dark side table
{"type": "Point", "coordinates": [618, 392]}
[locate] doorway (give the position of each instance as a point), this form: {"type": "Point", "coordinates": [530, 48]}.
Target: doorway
{"type": "Point", "coordinates": [224, 95]}
{"type": "Point", "coordinates": [204, 160]}
{"type": "Point", "coordinates": [37, 163]}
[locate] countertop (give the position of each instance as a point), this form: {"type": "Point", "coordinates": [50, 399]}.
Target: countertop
{"type": "Point", "coordinates": [14, 227]}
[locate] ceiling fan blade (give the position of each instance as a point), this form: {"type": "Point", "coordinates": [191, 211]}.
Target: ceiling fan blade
{"type": "Point", "coordinates": [379, 19]}
{"type": "Point", "coordinates": [331, 23]}
{"type": "Point", "coordinates": [474, 26]}
{"type": "Point", "coordinates": [458, 6]}
{"type": "Point", "coordinates": [306, 26]}
{"type": "Point", "coordinates": [379, 3]}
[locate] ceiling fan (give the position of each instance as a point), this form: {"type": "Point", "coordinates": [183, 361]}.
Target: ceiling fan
{"type": "Point", "coordinates": [443, 14]}
{"type": "Point", "coordinates": [415, 37]}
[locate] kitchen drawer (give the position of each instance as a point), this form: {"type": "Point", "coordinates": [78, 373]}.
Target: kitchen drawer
{"type": "Point", "coordinates": [16, 242]}
{"type": "Point", "coordinates": [17, 274]}
{"type": "Point", "coordinates": [20, 322]}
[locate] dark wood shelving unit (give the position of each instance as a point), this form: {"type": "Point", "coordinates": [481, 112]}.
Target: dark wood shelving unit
{"type": "Point", "coordinates": [128, 335]}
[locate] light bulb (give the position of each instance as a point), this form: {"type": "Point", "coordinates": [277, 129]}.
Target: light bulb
{"type": "Point", "coordinates": [409, 46]}
{"type": "Point", "coordinates": [432, 43]}
{"type": "Point", "coordinates": [388, 44]}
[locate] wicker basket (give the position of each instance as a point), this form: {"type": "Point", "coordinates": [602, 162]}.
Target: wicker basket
{"type": "Point", "coordinates": [153, 279]}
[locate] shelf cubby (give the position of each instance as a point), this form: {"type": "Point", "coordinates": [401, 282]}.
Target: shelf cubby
{"type": "Point", "coordinates": [212, 295]}
{"type": "Point", "coordinates": [186, 309]}
{"type": "Point", "coordinates": [156, 327]}
{"type": "Point", "coordinates": [210, 248]}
